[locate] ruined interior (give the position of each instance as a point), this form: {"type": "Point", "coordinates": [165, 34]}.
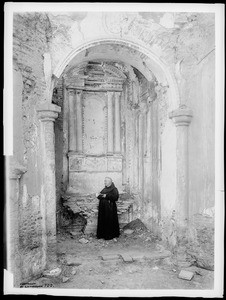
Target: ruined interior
{"type": "Point", "coordinates": [110, 126]}
{"type": "Point", "coordinates": [127, 95]}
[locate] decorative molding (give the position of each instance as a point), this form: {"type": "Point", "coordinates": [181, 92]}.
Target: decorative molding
{"type": "Point", "coordinates": [78, 163]}
{"type": "Point", "coordinates": [181, 116]}
{"type": "Point", "coordinates": [48, 112]}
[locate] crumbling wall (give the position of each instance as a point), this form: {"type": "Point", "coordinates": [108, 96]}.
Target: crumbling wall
{"type": "Point", "coordinates": [30, 42]}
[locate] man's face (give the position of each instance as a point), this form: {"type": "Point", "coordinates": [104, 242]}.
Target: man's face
{"type": "Point", "coordinates": [107, 182]}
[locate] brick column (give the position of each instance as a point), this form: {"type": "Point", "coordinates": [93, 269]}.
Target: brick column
{"type": "Point", "coordinates": [16, 170]}
{"type": "Point", "coordinates": [182, 118]}
{"type": "Point", "coordinates": [110, 122]}
{"type": "Point", "coordinates": [47, 114]}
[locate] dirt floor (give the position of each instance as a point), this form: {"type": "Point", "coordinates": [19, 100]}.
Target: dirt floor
{"type": "Point", "coordinates": [88, 263]}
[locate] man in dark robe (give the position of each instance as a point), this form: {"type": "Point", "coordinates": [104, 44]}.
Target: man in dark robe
{"type": "Point", "coordinates": [108, 225]}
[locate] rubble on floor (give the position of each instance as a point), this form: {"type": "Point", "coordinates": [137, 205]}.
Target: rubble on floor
{"type": "Point", "coordinates": [135, 225]}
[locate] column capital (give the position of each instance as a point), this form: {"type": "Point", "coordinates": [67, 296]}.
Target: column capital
{"type": "Point", "coordinates": [181, 116]}
{"type": "Point", "coordinates": [48, 111]}
{"type": "Point", "coordinates": [16, 170]}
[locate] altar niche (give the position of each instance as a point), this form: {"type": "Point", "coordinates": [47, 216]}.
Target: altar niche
{"type": "Point", "coordinates": [110, 118]}
{"type": "Point", "coordinates": [94, 126]}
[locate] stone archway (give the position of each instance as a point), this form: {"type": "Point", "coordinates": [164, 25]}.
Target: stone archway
{"type": "Point", "coordinates": [174, 139]}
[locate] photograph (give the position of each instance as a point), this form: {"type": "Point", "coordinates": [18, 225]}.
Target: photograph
{"type": "Point", "coordinates": [113, 146]}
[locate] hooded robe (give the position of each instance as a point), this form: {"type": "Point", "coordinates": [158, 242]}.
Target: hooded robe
{"type": "Point", "coordinates": [108, 225]}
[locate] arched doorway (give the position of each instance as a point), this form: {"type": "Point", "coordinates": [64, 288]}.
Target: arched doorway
{"type": "Point", "coordinates": [133, 84]}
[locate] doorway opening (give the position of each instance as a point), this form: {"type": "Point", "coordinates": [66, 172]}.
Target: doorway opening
{"type": "Point", "coordinates": [110, 124]}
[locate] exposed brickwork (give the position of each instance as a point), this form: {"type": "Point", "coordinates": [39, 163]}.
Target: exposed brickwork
{"type": "Point", "coordinates": [30, 42]}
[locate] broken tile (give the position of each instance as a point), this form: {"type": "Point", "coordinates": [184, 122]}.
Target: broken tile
{"type": "Point", "coordinates": [126, 258]}
{"type": "Point", "coordinates": [187, 275]}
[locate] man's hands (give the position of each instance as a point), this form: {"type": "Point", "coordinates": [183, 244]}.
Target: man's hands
{"type": "Point", "coordinates": [99, 194]}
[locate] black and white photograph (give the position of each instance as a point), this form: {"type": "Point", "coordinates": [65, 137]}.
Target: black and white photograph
{"type": "Point", "coordinates": [113, 146]}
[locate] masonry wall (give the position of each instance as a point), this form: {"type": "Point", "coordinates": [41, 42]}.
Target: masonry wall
{"type": "Point", "coordinates": [30, 35]}
{"type": "Point", "coordinates": [201, 136]}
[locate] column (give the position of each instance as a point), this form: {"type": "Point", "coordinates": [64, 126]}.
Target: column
{"type": "Point", "coordinates": [72, 120]}
{"type": "Point", "coordinates": [117, 128]}
{"type": "Point", "coordinates": [66, 117]}
{"type": "Point", "coordinates": [182, 118]}
{"type": "Point", "coordinates": [79, 121]}
{"type": "Point", "coordinates": [47, 113]}
{"type": "Point", "coordinates": [16, 170]}
{"type": "Point", "coordinates": [110, 122]}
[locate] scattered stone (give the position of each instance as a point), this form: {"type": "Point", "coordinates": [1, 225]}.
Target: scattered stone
{"type": "Point", "coordinates": [126, 258]}
{"type": "Point", "coordinates": [187, 275]}
{"type": "Point", "coordinates": [128, 231]}
{"type": "Point", "coordinates": [155, 268]}
{"type": "Point", "coordinates": [110, 257]}
{"type": "Point", "coordinates": [135, 225]}
{"type": "Point", "coordinates": [83, 241]}
{"type": "Point", "coordinates": [73, 271]}
{"type": "Point", "coordinates": [65, 279]}
{"type": "Point", "coordinates": [148, 239]}
{"type": "Point", "coordinates": [52, 273]}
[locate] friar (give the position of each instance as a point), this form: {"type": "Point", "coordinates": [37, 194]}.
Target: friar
{"type": "Point", "coordinates": [108, 225]}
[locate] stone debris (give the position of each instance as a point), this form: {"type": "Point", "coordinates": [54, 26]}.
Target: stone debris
{"type": "Point", "coordinates": [155, 268]}
{"type": "Point", "coordinates": [128, 231]}
{"type": "Point", "coordinates": [83, 241]}
{"type": "Point", "coordinates": [110, 257]}
{"type": "Point", "coordinates": [73, 261]}
{"type": "Point", "coordinates": [187, 275]}
{"type": "Point", "coordinates": [52, 273]}
{"type": "Point", "coordinates": [73, 271]}
{"type": "Point", "coordinates": [126, 258]}
{"type": "Point", "coordinates": [65, 279]}
{"type": "Point", "coordinates": [135, 225]}
{"type": "Point", "coordinates": [148, 239]}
